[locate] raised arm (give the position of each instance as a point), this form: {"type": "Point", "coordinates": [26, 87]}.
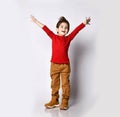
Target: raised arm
{"type": "Point", "coordinates": [78, 28]}
{"type": "Point", "coordinates": [37, 22]}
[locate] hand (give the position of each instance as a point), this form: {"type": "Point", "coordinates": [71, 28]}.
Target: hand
{"type": "Point", "coordinates": [36, 21]}
{"type": "Point", "coordinates": [88, 20]}
{"type": "Point", "coordinates": [33, 18]}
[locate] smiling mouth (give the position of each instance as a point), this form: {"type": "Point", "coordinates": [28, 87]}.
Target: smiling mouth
{"type": "Point", "coordinates": [63, 31]}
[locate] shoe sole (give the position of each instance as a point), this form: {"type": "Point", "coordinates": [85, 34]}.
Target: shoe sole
{"type": "Point", "coordinates": [64, 108]}
{"type": "Point", "coordinates": [54, 106]}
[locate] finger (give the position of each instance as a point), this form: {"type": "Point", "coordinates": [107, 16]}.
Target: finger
{"type": "Point", "coordinates": [88, 20]}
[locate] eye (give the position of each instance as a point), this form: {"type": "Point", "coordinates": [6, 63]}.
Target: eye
{"type": "Point", "coordinates": [66, 27]}
{"type": "Point", "coordinates": [61, 26]}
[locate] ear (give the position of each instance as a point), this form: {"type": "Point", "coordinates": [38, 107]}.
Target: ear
{"type": "Point", "coordinates": [57, 30]}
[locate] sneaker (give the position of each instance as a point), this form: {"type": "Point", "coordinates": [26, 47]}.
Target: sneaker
{"type": "Point", "coordinates": [52, 104]}
{"type": "Point", "coordinates": [64, 104]}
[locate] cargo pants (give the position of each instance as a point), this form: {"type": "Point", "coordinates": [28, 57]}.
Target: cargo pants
{"type": "Point", "coordinates": [60, 77]}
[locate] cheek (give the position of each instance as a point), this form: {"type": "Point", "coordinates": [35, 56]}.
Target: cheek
{"type": "Point", "coordinates": [67, 31]}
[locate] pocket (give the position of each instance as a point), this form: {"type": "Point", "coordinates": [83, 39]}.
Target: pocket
{"type": "Point", "coordinates": [67, 68]}
{"type": "Point", "coordinates": [54, 68]}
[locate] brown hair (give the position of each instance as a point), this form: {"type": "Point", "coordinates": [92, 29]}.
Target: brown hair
{"type": "Point", "coordinates": [61, 20]}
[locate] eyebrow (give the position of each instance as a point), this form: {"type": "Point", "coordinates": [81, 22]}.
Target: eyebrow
{"type": "Point", "coordinates": [63, 25]}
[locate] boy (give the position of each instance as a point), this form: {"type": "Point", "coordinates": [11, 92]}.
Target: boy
{"type": "Point", "coordinates": [60, 64]}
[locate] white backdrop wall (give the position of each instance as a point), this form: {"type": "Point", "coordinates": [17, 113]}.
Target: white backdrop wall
{"type": "Point", "coordinates": [25, 52]}
{"type": "Point", "coordinates": [82, 51]}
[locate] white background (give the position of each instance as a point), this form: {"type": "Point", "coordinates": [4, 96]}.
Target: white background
{"type": "Point", "coordinates": [25, 52]}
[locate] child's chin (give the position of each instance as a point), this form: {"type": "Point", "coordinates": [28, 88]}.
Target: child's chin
{"type": "Point", "coordinates": [63, 34]}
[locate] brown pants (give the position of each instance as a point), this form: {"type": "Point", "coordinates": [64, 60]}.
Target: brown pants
{"type": "Point", "coordinates": [57, 72]}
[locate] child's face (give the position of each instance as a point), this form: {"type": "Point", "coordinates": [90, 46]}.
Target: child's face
{"type": "Point", "coordinates": [62, 30]}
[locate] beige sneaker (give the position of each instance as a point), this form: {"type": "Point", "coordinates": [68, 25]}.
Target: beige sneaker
{"type": "Point", "coordinates": [64, 104]}
{"type": "Point", "coordinates": [52, 104]}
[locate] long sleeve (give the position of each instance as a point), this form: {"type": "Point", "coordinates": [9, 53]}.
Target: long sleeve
{"type": "Point", "coordinates": [48, 32]}
{"type": "Point", "coordinates": [75, 31]}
